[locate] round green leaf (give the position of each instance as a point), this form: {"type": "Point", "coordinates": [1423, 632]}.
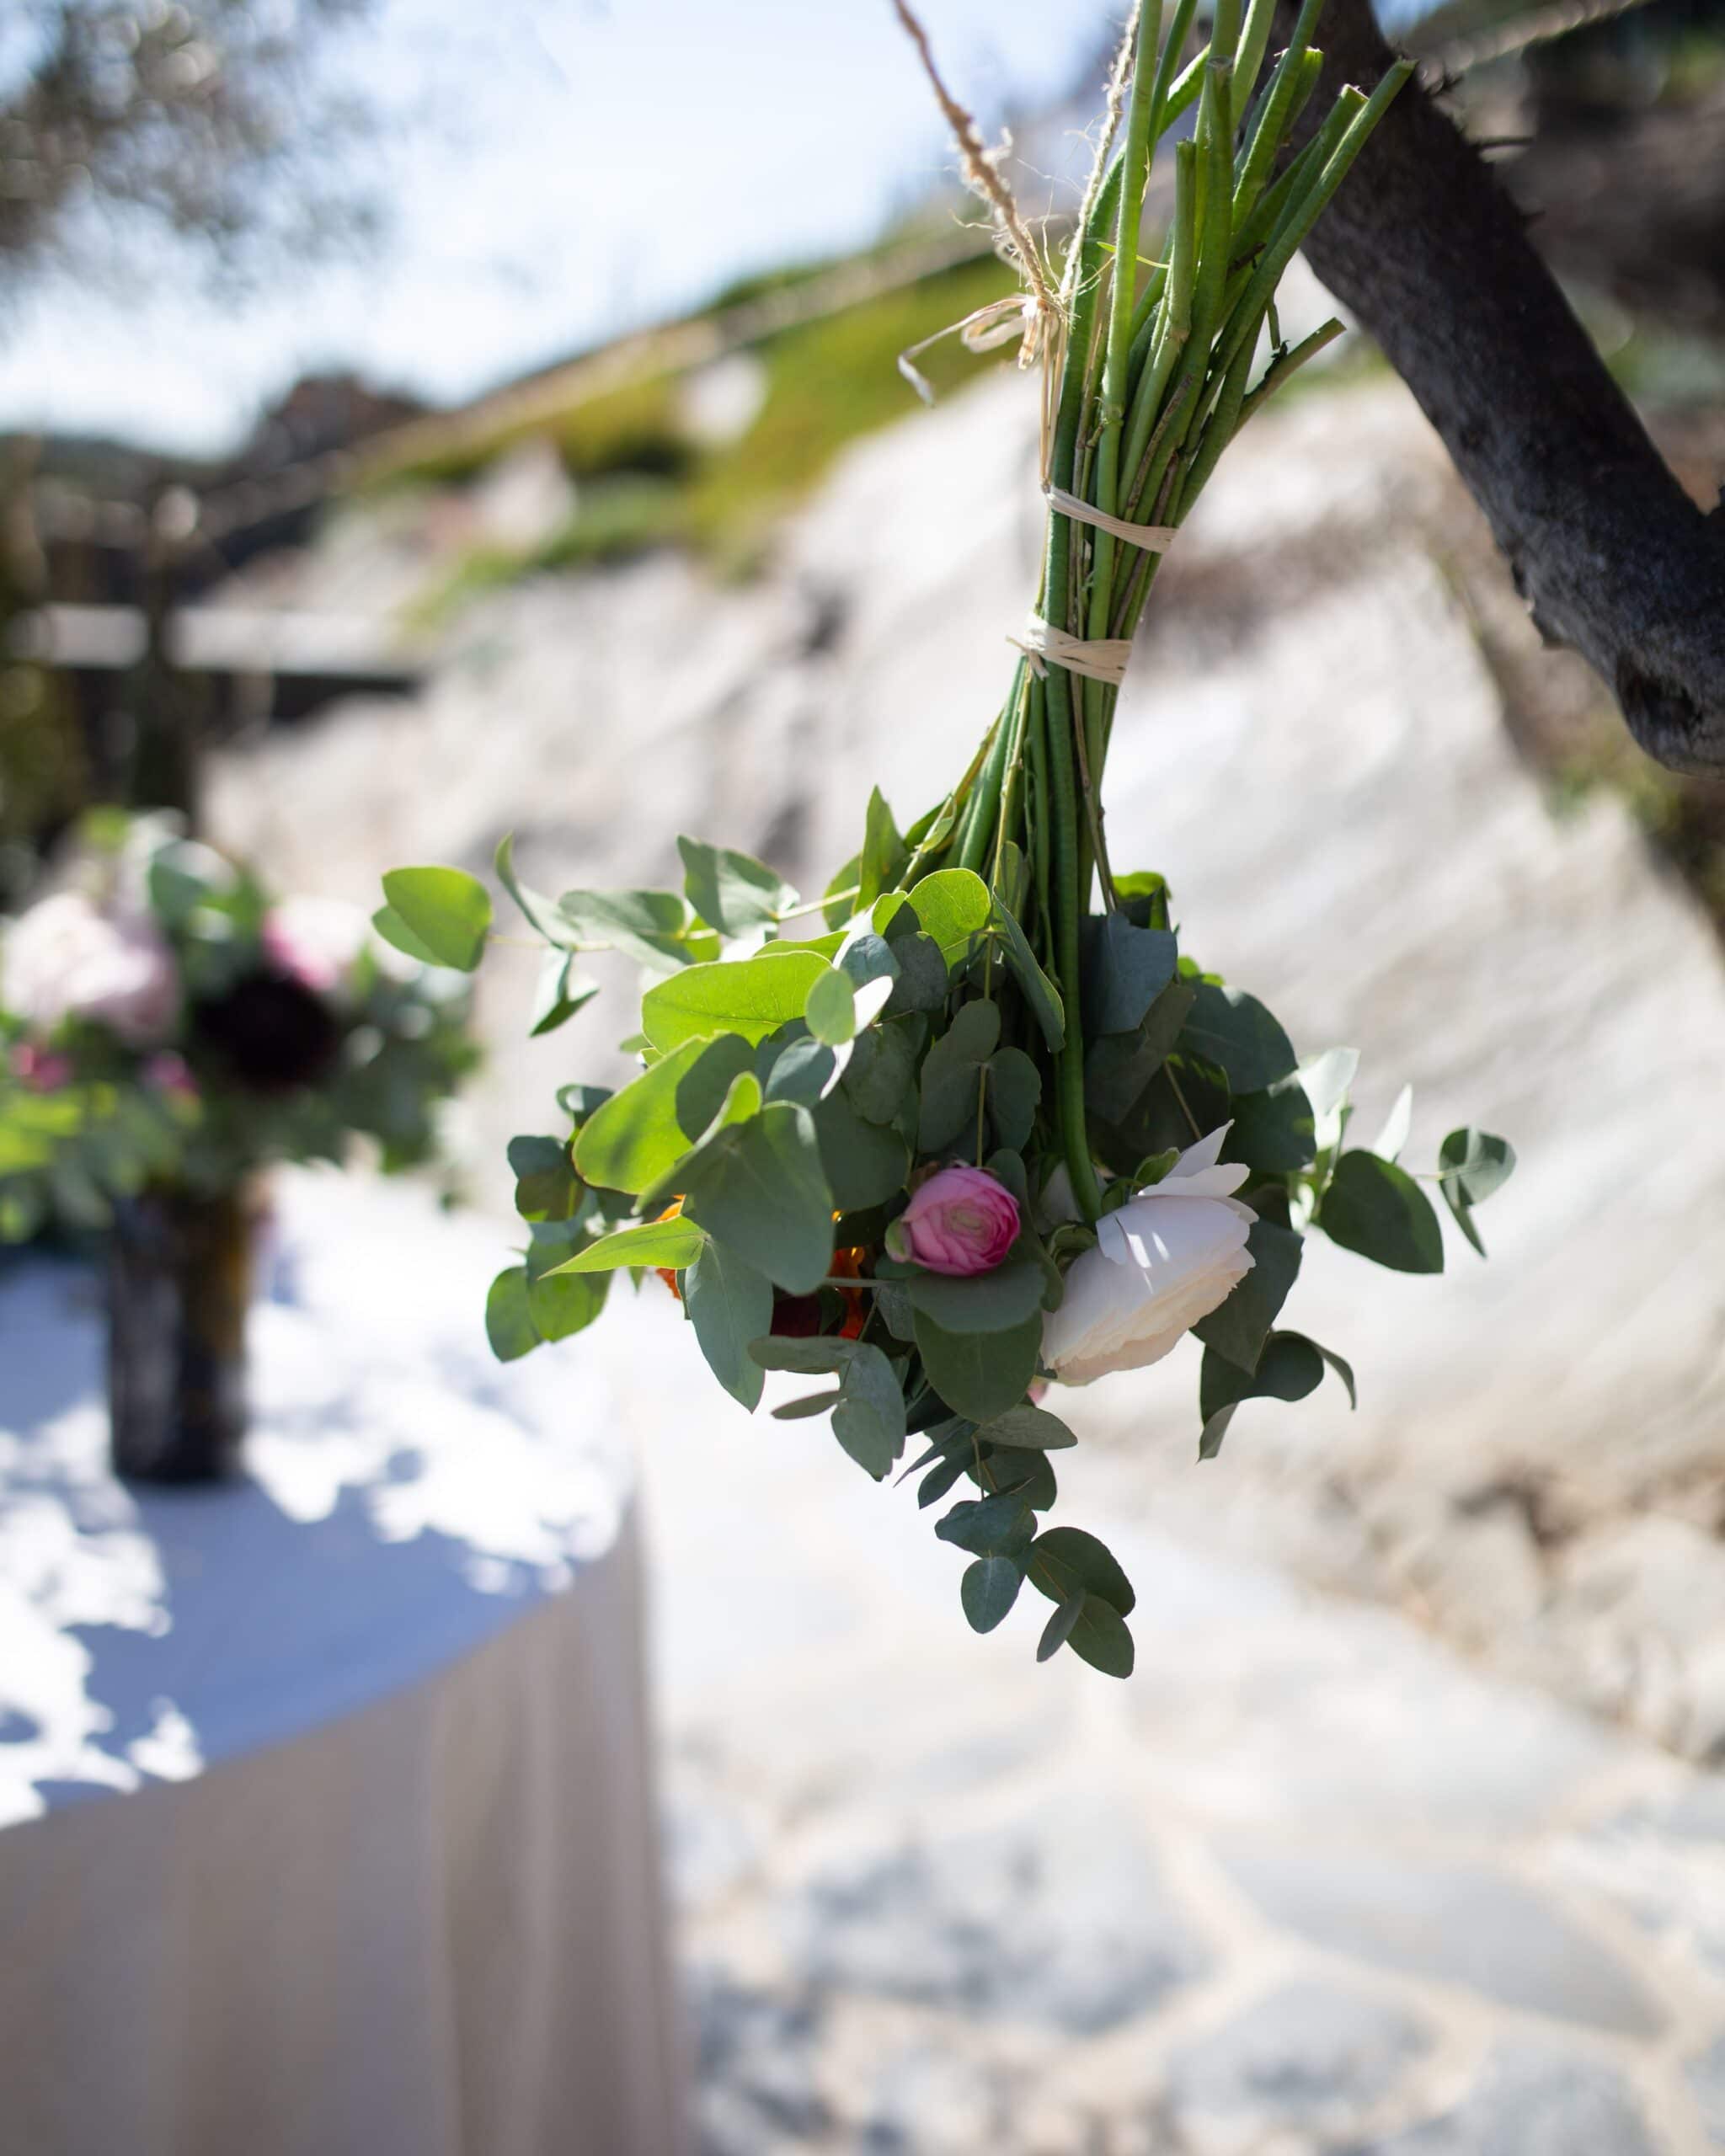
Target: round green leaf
{"type": "Point", "coordinates": [988, 1590]}
{"type": "Point", "coordinates": [830, 1011]}
{"type": "Point", "coordinates": [1066, 1561]}
{"type": "Point", "coordinates": [1377, 1210]}
{"type": "Point", "coordinates": [447, 911]}
{"type": "Point", "coordinates": [750, 996]}
{"type": "Point", "coordinates": [509, 1326]}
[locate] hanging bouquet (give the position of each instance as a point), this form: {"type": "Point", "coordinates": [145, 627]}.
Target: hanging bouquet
{"type": "Point", "coordinates": [977, 1119]}
{"type": "Point", "coordinates": [166, 1022]}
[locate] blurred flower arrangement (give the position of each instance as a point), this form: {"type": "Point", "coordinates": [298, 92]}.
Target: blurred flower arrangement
{"type": "Point", "coordinates": [990, 1125]}
{"type": "Point", "coordinates": [166, 1023]}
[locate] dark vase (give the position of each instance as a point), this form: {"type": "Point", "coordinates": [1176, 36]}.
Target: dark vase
{"type": "Point", "coordinates": [179, 1278]}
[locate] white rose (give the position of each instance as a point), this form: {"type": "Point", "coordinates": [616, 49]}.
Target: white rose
{"type": "Point", "coordinates": [65, 958]}
{"type": "Point", "coordinates": [317, 940]}
{"type": "Point", "coordinates": [1163, 1261]}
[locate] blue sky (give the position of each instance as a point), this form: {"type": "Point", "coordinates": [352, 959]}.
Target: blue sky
{"type": "Point", "coordinates": [584, 166]}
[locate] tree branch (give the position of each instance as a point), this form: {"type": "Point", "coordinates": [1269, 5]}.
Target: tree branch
{"type": "Point", "coordinates": [1611, 556]}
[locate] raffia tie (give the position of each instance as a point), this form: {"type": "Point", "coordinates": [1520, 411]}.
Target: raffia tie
{"type": "Point", "coordinates": [1101, 659]}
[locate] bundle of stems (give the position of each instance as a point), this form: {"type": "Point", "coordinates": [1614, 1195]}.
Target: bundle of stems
{"type": "Point", "coordinates": [1153, 367]}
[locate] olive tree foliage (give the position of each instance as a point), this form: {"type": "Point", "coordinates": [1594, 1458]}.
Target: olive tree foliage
{"type": "Point", "coordinates": [212, 121]}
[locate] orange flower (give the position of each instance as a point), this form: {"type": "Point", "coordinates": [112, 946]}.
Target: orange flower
{"type": "Point", "coordinates": [667, 1274]}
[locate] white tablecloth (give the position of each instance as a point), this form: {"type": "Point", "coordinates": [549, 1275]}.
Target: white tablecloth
{"type": "Point", "coordinates": [327, 1808]}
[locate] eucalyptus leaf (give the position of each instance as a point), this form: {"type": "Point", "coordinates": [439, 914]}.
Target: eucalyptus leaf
{"type": "Point", "coordinates": [562, 1304]}
{"type": "Point", "coordinates": [732, 892]}
{"type": "Point", "coordinates": [1028, 1474]}
{"type": "Point", "coordinates": [1376, 1209]}
{"type": "Point", "coordinates": [800, 1411]}
{"type": "Point", "coordinates": [752, 997]}
{"type": "Point", "coordinates": [1289, 1367]}
{"type": "Point", "coordinates": [802, 1072]}
{"type": "Point", "coordinates": [884, 854]}
{"type": "Point", "coordinates": [729, 1304]}
{"type": "Point", "coordinates": [865, 1164]}
{"type": "Point", "coordinates": [1065, 1561]}
{"type": "Point", "coordinates": [1029, 1429]}
{"type": "Point", "coordinates": [922, 984]}
{"type": "Point", "coordinates": [546, 1186]}
{"type": "Point", "coordinates": [558, 993]}
{"type": "Point", "coordinates": [994, 1302]}
{"type": "Point", "coordinates": [830, 1010]}
{"type": "Point", "coordinates": [1120, 1066]}
{"type": "Point", "coordinates": [1014, 1091]}
{"type": "Point", "coordinates": [1239, 1326]}
{"type": "Point", "coordinates": [989, 1526]}
{"type": "Point", "coordinates": [1127, 968]}
{"type": "Point", "coordinates": [988, 1590]}
{"type": "Point", "coordinates": [509, 1326]}
{"type": "Point", "coordinates": [1041, 994]}
{"type": "Point", "coordinates": [447, 911]}
{"type": "Point", "coordinates": [1473, 1164]}
{"type": "Point", "coordinates": [649, 926]}
{"type": "Point", "coordinates": [669, 1245]}
{"type": "Point", "coordinates": [980, 1374]}
{"type": "Point", "coordinates": [881, 1072]}
{"type": "Point", "coordinates": [540, 914]}
{"type": "Point", "coordinates": [1234, 1031]}
{"type": "Point", "coordinates": [1100, 1638]}
{"type": "Point", "coordinates": [631, 1139]}
{"type": "Point", "coordinates": [1273, 1132]}
{"type": "Point", "coordinates": [952, 1073]}
{"type": "Point", "coordinates": [761, 1188]}
{"type": "Point", "coordinates": [953, 904]}
{"type": "Point", "coordinates": [1058, 1628]}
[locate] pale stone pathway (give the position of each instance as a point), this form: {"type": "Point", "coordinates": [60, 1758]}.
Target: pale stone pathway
{"type": "Point", "coordinates": [1306, 1886]}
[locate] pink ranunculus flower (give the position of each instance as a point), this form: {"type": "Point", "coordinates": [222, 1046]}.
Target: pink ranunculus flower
{"type": "Point", "coordinates": [167, 1072]}
{"type": "Point", "coordinates": [315, 940]}
{"type": "Point", "coordinates": [961, 1221]}
{"type": "Point", "coordinates": [66, 958]}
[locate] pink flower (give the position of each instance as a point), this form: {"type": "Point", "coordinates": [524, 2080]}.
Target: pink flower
{"type": "Point", "coordinates": [41, 1069]}
{"type": "Point", "coordinates": [962, 1220]}
{"type": "Point", "coordinates": [65, 958]}
{"type": "Point", "coordinates": [170, 1074]}
{"type": "Point", "coordinates": [315, 940]}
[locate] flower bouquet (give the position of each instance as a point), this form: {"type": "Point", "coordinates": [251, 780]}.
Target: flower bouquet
{"type": "Point", "coordinates": [976, 1118]}
{"type": "Point", "coordinates": [167, 1028]}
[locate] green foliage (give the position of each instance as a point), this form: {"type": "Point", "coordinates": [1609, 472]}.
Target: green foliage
{"type": "Point", "coordinates": [750, 997]}
{"type": "Point", "coordinates": [988, 1590]}
{"type": "Point", "coordinates": [1129, 968]}
{"type": "Point", "coordinates": [444, 914]}
{"type": "Point", "coordinates": [1238, 1327]}
{"type": "Point", "coordinates": [729, 1304]}
{"type": "Point", "coordinates": [1236, 1033]}
{"type": "Point", "coordinates": [980, 1374]}
{"type": "Point", "coordinates": [760, 1187]}
{"type": "Point", "coordinates": [1377, 1210]}
{"type": "Point", "coordinates": [732, 892]}
{"type": "Point", "coordinates": [1289, 1367]}
{"type": "Point", "coordinates": [669, 1244]}
{"type": "Point", "coordinates": [1473, 1164]}
{"type": "Point", "coordinates": [509, 1323]}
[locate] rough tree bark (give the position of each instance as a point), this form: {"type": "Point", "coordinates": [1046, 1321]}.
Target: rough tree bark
{"type": "Point", "coordinates": [1611, 556]}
